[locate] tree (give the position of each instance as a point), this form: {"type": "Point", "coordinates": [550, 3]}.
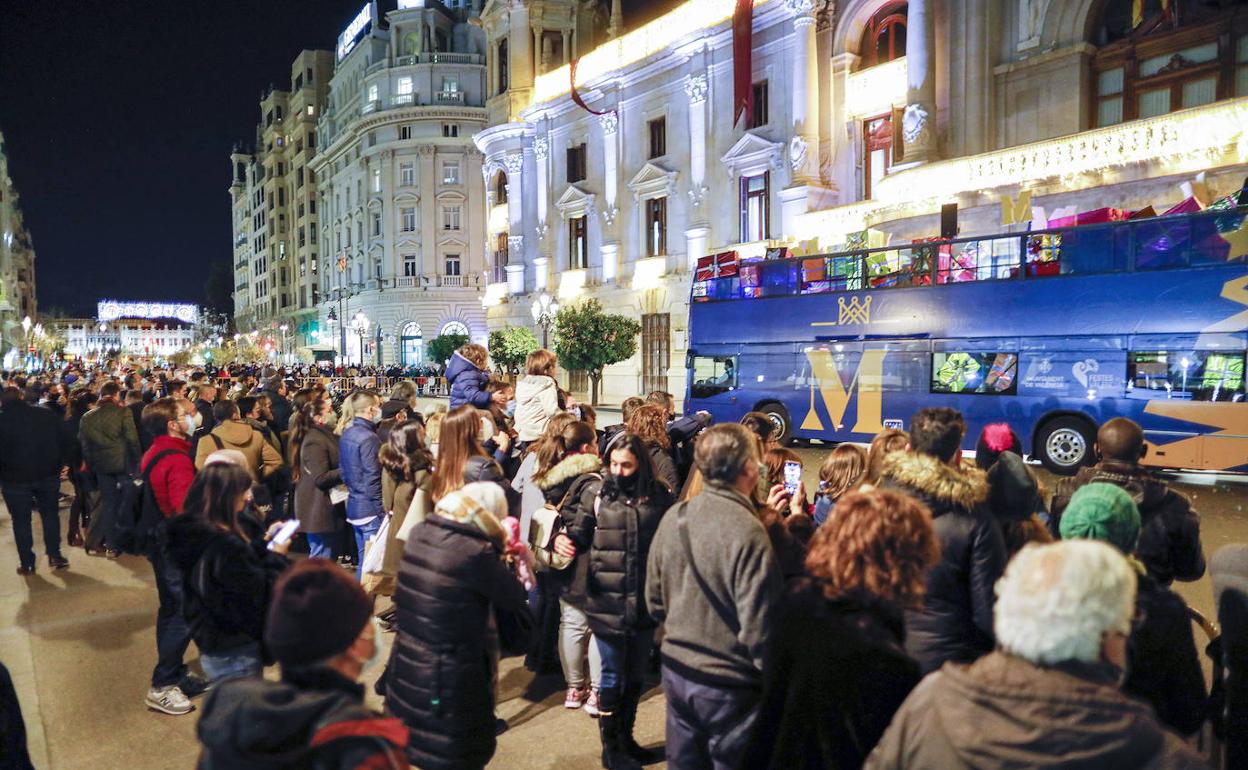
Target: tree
{"type": "Point", "coordinates": [442, 346]}
{"type": "Point", "coordinates": [511, 346]}
{"type": "Point", "coordinates": [590, 340]}
{"type": "Point", "coordinates": [219, 289]}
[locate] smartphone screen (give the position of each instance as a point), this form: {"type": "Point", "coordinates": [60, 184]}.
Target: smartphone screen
{"type": "Point", "coordinates": [284, 534]}
{"type": "Point", "coordinates": [792, 477]}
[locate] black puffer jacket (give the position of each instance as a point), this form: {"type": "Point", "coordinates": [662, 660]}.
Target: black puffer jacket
{"type": "Point", "coordinates": [440, 682]}
{"type": "Point", "coordinates": [615, 587]}
{"type": "Point", "coordinates": [226, 582]}
{"type": "Point", "coordinates": [955, 621]}
{"type": "Point", "coordinates": [480, 468]}
{"type": "Point", "coordinates": [1163, 667]}
{"type": "Point", "coordinates": [571, 486]}
{"type": "Point", "coordinates": [1169, 545]}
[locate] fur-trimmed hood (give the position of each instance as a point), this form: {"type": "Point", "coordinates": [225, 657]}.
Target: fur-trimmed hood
{"type": "Point", "coordinates": [568, 469]}
{"type": "Point", "coordinates": [940, 485]}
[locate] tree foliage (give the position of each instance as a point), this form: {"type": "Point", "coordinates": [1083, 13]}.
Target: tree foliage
{"type": "Point", "coordinates": [590, 340]}
{"type": "Point", "coordinates": [509, 347]}
{"type": "Point", "coordinates": [442, 346]}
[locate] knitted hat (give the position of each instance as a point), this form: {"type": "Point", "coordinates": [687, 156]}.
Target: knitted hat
{"type": "Point", "coordinates": [318, 611]}
{"type": "Point", "coordinates": [390, 408]}
{"type": "Point", "coordinates": [1103, 512]}
{"type": "Point", "coordinates": [1013, 494]}
{"type": "Point", "coordinates": [996, 438]}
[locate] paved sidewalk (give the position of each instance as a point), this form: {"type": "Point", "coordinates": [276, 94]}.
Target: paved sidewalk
{"type": "Point", "coordinates": [80, 645]}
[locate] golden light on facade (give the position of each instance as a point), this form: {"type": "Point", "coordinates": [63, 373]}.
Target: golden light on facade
{"type": "Point", "coordinates": [876, 90]}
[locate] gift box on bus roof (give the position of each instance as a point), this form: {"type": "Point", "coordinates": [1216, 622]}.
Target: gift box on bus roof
{"type": "Point", "coordinates": [1094, 217]}
{"type": "Point", "coordinates": [722, 265]}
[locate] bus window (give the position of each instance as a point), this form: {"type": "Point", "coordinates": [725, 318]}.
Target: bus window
{"type": "Point", "coordinates": [713, 375]}
{"type": "Point", "coordinates": [975, 372]}
{"type": "Point", "coordinates": [1198, 375]}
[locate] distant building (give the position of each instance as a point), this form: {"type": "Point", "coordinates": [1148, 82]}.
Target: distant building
{"type": "Point", "coordinates": [138, 329]}
{"type": "Point", "coordinates": [276, 249]}
{"type": "Point", "coordinates": [402, 210]}
{"type": "Point", "coordinates": [17, 262]}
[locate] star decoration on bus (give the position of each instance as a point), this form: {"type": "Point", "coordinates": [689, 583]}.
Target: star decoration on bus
{"type": "Point", "coordinates": [1238, 239]}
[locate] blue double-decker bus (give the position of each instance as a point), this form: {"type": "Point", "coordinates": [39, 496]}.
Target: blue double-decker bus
{"type": "Point", "coordinates": [1051, 331]}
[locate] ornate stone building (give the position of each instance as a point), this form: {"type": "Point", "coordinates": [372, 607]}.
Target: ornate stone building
{"type": "Point", "coordinates": [17, 262]}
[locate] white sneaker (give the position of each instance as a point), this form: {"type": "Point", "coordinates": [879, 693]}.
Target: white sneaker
{"type": "Point", "coordinates": [169, 700]}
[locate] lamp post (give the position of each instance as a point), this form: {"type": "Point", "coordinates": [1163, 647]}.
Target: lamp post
{"type": "Point", "coordinates": [332, 319]}
{"type": "Point", "coordinates": [285, 355]}
{"type": "Point", "coordinates": [26, 323]}
{"type": "Point", "coordinates": [359, 325]}
{"type": "Point", "coordinates": [544, 309]}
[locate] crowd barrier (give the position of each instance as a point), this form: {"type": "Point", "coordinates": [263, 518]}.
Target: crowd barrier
{"type": "Point", "coordinates": [425, 386]}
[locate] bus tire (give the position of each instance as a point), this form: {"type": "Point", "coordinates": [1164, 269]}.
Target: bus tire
{"type": "Point", "coordinates": [1064, 444]}
{"type": "Point", "coordinates": [779, 417]}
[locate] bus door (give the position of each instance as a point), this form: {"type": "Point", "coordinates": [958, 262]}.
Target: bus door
{"type": "Point", "coordinates": [1196, 416]}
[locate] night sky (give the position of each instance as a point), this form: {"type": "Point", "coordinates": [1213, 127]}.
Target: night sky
{"type": "Point", "coordinates": [119, 117]}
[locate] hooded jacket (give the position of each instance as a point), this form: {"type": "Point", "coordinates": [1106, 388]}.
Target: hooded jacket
{"type": "Point", "coordinates": [467, 382]}
{"type": "Point", "coordinates": [571, 486]}
{"type": "Point", "coordinates": [537, 398]}
{"type": "Point", "coordinates": [955, 620]}
{"type": "Point", "coordinates": [1169, 546]}
{"type": "Point", "coordinates": [262, 458]}
{"type": "Point", "coordinates": [1004, 712]}
{"type": "Point", "coordinates": [226, 582]}
{"type": "Point", "coordinates": [313, 718]}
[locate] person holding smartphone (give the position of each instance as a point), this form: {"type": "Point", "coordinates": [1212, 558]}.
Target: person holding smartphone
{"type": "Point", "coordinates": [227, 576]}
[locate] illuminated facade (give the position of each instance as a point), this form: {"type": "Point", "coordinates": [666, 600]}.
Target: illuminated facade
{"type": "Point", "coordinates": [274, 207]}
{"type": "Point", "coordinates": [140, 329]}
{"type": "Point", "coordinates": [869, 115]}
{"type": "Point", "coordinates": [17, 261]}
{"type": "Point", "coordinates": [400, 183]}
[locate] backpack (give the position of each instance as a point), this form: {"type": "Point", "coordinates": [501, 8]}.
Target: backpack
{"type": "Point", "coordinates": [544, 527]}
{"type": "Point", "coordinates": [138, 521]}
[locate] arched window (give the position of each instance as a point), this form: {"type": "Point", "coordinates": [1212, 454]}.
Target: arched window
{"type": "Point", "coordinates": [884, 38]}
{"type": "Point", "coordinates": [1160, 56]}
{"type": "Point", "coordinates": [455, 327]}
{"type": "Point", "coordinates": [500, 188]}
{"type": "Point", "coordinates": [411, 344]}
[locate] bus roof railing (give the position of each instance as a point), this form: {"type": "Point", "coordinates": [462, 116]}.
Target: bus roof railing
{"type": "Point", "coordinates": [1150, 244]}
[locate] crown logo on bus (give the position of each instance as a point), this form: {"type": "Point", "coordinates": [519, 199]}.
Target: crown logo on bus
{"type": "Point", "coordinates": [855, 311]}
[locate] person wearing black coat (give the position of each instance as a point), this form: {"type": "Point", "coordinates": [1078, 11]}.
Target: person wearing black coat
{"type": "Point", "coordinates": [836, 668]}
{"type": "Point", "coordinates": [954, 622]}
{"type": "Point", "coordinates": [440, 681]}
{"type": "Point", "coordinates": [617, 531]}
{"type": "Point", "coordinates": [314, 464]}
{"type": "Point", "coordinates": [34, 447]}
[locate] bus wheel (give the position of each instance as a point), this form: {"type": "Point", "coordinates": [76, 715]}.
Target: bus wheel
{"type": "Point", "coordinates": [1065, 444]}
{"type": "Point", "coordinates": [779, 417]}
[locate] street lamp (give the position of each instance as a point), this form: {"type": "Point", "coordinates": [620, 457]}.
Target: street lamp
{"type": "Point", "coordinates": [544, 310]}
{"type": "Point", "coordinates": [26, 322]}
{"type": "Point", "coordinates": [283, 329]}
{"type": "Point", "coordinates": [359, 325]}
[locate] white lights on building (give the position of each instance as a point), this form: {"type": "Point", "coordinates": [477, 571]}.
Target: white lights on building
{"type": "Point", "coordinates": [111, 310]}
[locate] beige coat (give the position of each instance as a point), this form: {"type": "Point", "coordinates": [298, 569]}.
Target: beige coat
{"type": "Point", "coordinates": [262, 458]}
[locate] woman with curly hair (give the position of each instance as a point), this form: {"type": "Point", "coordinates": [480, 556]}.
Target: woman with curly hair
{"type": "Point", "coordinates": [837, 671]}
{"type": "Point", "coordinates": [649, 423]}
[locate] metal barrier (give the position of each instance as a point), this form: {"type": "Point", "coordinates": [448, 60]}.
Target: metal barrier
{"type": "Point", "coordinates": [425, 386]}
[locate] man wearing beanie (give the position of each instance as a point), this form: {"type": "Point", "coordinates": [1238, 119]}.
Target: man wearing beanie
{"type": "Point", "coordinates": [1163, 667]}
{"type": "Point", "coordinates": [320, 629]}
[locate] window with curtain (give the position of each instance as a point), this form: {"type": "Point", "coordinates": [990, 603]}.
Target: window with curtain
{"type": "Point", "coordinates": [1159, 56]}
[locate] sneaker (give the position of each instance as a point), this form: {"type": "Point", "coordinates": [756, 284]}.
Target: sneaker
{"type": "Point", "coordinates": [193, 685]}
{"type": "Point", "coordinates": [58, 562]}
{"type": "Point", "coordinates": [574, 699]}
{"type": "Point", "coordinates": [591, 703]}
{"type": "Point", "coordinates": [112, 553]}
{"type": "Point", "coordinates": [169, 700]}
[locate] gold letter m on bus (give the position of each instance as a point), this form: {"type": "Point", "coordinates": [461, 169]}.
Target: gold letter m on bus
{"type": "Point", "coordinates": [867, 382]}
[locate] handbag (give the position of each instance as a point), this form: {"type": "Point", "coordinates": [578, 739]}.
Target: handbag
{"type": "Point", "coordinates": [545, 526]}
{"type": "Point", "coordinates": [515, 630]}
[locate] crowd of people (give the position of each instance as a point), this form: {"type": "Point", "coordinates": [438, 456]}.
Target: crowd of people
{"type": "Point", "coordinates": [919, 609]}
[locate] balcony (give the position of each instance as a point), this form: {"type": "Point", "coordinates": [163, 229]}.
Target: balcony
{"type": "Point", "coordinates": [436, 57]}
{"type": "Point", "coordinates": [449, 97]}
{"type": "Point", "coordinates": [405, 282]}
{"type": "Point", "coordinates": [451, 281]}
{"type": "Point", "coordinates": [400, 100]}
{"type": "Point", "coordinates": [368, 107]}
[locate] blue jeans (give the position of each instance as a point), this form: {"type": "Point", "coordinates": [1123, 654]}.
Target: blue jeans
{"type": "Point", "coordinates": [362, 533]}
{"type": "Point", "coordinates": [624, 660]}
{"type": "Point", "coordinates": [321, 546]}
{"type": "Point", "coordinates": [172, 634]}
{"type": "Point", "coordinates": [240, 661]}
{"type": "Point", "coordinates": [21, 497]}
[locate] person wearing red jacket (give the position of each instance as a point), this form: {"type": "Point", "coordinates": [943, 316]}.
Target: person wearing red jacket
{"type": "Point", "coordinates": [169, 422]}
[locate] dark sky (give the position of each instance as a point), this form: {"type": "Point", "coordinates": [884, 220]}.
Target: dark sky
{"type": "Point", "coordinates": [119, 116]}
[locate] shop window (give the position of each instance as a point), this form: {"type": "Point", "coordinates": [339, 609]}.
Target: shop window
{"type": "Point", "coordinates": [966, 372]}
{"type": "Point", "coordinates": [1158, 57]}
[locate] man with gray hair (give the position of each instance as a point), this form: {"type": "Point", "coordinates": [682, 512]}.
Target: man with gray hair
{"type": "Point", "coordinates": [1049, 696]}
{"type": "Point", "coordinates": [713, 580]}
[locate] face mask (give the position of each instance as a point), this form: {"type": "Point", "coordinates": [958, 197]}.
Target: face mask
{"type": "Point", "coordinates": [511, 408]}
{"type": "Point", "coordinates": [376, 418]}
{"type": "Point", "coordinates": [331, 420]}
{"type": "Point", "coordinates": [375, 658]}
{"type": "Point", "coordinates": [198, 420]}
{"type": "Point", "coordinates": [188, 424]}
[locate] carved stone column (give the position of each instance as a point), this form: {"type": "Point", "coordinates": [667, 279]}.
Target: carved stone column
{"type": "Point", "coordinates": [918, 123]}
{"type": "Point", "coordinates": [695, 89]}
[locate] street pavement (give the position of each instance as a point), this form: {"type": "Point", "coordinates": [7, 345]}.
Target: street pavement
{"type": "Point", "coordinates": [80, 646]}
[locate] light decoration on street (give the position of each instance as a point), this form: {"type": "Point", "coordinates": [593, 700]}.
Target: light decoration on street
{"type": "Point", "coordinates": [1179, 142]}
{"type": "Point", "coordinates": [685, 21]}
{"type": "Point", "coordinates": [544, 310]}
{"type": "Point", "coordinates": [877, 89]}
{"type": "Point", "coordinates": [111, 310]}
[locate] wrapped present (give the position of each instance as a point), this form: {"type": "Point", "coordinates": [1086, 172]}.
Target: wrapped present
{"type": "Point", "coordinates": [815, 269]}
{"type": "Point", "coordinates": [1094, 217]}
{"type": "Point", "coordinates": [1147, 212]}
{"type": "Point", "coordinates": [751, 275]}
{"type": "Point", "coordinates": [705, 268]}
{"type": "Point", "coordinates": [778, 252]}
{"type": "Point", "coordinates": [726, 264]}
{"type": "Point", "coordinates": [1189, 205]}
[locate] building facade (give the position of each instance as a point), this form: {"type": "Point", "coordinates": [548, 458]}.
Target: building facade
{"type": "Point", "coordinates": [399, 181]}
{"type": "Point", "coordinates": [138, 329]}
{"type": "Point", "coordinates": [867, 117]}
{"type": "Point", "coordinates": [274, 207]}
{"type": "Point", "coordinates": [17, 262]}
